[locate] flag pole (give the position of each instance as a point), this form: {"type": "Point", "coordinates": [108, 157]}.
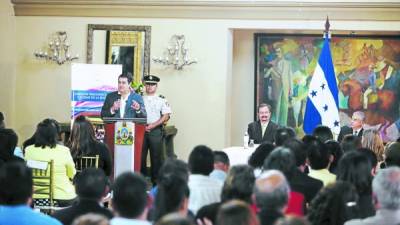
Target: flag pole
{"type": "Point", "coordinates": [327, 32]}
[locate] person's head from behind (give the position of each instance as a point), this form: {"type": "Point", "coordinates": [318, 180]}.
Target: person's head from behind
{"type": "Point", "coordinates": [373, 160]}
{"type": "Point", "coordinates": [201, 160]}
{"type": "Point", "coordinates": [264, 112]}
{"type": "Point", "coordinates": [8, 142]}
{"type": "Point", "coordinates": [221, 161]}
{"type": "Point", "coordinates": [2, 123]}
{"type": "Point", "coordinates": [357, 120]}
{"type": "Point", "coordinates": [46, 134]}
{"type": "Point", "coordinates": [175, 219]}
{"type": "Point", "coordinates": [281, 159]}
{"type": "Point", "coordinates": [372, 140]}
{"type": "Point", "coordinates": [336, 152]}
{"type": "Point", "coordinates": [256, 159]}
{"type": "Point", "coordinates": [355, 168]}
{"type": "Point", "coordinates": [15, 183]}
{"type": "Point", "coordinates": [386, 188]}
{"type": "Point", "coordinates": [271, 191]}
{"type": "Point", "coordinates": [292, 220]}
{"type": "Point", "coordinates": [129, 196]}
{"type": "Point", "coordinates": [350, 143]}
{"type": "Point", "coordinates": [334, 204]}
{"type": "Point", "coordinates": [392, 154]}
{"type": "Point", "coordinates": [91, 219]}
{"type": "Point", "coordinates": [172, 195]}
{"type": "Point", "coordinates": [82, 135]}
{"type": "Point", "coordinates": [323, 133]}
{"type": "Point", "coordinates": [299, 150]}
{"type": "Point", "coordinates": [318, 155]}
{"type": "Point", "coordinates": [239, 184]}
{"type": "Point", "coordinates": [283, 134]}
{"type": "Point", "coordinates": [176, 167]}
{"type": "Point", "coordinates": [236, 212]}
{"type": "Point", "coordinates": [124, 82]}
{"type": "Point", "coordinates": [91, 184]}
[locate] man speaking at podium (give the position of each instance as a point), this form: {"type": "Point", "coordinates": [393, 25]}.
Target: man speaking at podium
{"type": "Point", "coordinates": [123, 103]}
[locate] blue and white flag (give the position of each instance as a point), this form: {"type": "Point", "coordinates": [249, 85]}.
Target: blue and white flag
{"type": "Point", "coordinates": [322, 100]}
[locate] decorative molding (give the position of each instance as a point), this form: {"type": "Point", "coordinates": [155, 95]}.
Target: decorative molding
{"type": "Point", "coordinates": [240, 9]}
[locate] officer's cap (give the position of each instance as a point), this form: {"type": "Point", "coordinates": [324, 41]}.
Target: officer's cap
{"type": "Point", "coordinates": [151, 79]}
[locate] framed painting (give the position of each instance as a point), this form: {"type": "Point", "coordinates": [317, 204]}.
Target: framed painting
{"type": "Point", "coordinates": [366, 69]}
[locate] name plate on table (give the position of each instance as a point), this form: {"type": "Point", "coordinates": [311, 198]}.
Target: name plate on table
{"type": "Point", "coordinates": [124, 151]}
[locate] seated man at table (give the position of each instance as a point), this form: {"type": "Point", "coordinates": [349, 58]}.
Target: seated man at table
{"type": "Point", "coordinates": [263, 129]}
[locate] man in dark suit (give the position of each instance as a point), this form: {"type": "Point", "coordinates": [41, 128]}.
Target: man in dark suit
{"type": "Point", "coordinates": [123, 103]}
{"type": "Point", "coordinates": [355, 128]}
{"type": "Point", "coordinates": [263, 129]}
{"type": "Point", "coordinates": [91, 185]}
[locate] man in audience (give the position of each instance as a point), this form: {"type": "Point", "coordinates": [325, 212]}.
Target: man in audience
{"type": "Point", "coordinates": [16, 187]}
{"type": "Point", "coordinates": [300, 182]}
{"type": "Point", "coordinates": [386, 189]}
{"type": "Point", "coordinates": [204, 190]}
{"type": "Point", "coordinates": [355, 128]}
{"type": "Point", "coordinates": [323, 133]}
{"type": "Point", "coordinates": [263, 129]}
{"type": "Point", "coordinates": [221, 166]}
{"type": "Point", "coordinates": [129, 200]}
{"type": "Point", "coordinates": [282, 134]}
{"type": "Point", "coordinates": [350, 143]}
{"type": "Point", "coordinates": [392, 154]}
{"type": "Point", "coordinates": [271, 194]}
{"type": "Point", "coordinates": [320, 158]}
{"type": "Point", "coordinates": [90, 186]}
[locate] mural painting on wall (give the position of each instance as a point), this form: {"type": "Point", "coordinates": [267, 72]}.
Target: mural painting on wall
{"type": "Point", "coordinates": [367, 70]}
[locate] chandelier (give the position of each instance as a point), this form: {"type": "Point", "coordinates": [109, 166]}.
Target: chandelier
{"type": "Point", "coordinates": [57, 50]}
{"type": "Point", "coordinates": [176, 53]}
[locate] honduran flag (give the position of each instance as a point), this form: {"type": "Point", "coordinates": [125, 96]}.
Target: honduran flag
{"type": "Point", "coordinates": [322, 100]}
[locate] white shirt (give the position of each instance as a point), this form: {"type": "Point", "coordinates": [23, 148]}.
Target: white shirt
{"type": "Point", "coordinates": [204, 190]}
{"type": "Point", "coordinates": [155, 107]}
{"type": "Point", "coordinates": [125, 221]}
{"type": "Point", "coordinates": [122, 106]}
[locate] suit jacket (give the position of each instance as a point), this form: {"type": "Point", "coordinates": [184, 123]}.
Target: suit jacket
{"type": "Point", "coordinates": [304, 184]}
{"type": "Point", "coordinates": [255, 132]}
{"type": "Point", "coordinates": [67, 215]}
{"type": "Point", "coordinates": [129, 112]}
{"type": "Point", "coordinates": [345, 130]}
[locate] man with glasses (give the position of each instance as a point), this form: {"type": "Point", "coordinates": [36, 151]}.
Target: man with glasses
{"type": "Point", "coordinates": [355, 128]}
{"type": "Point", "coordinates": [158, 112]}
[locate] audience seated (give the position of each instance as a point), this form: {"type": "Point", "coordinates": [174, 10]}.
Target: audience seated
{"type": "Point", "coordinates": [46, 148]}
{"type": "Point", "coordinates": [129, 200]}
{"type": "Point", "coordinates": [8, 142]}
{"type": "Point", "coordinates": [238, 185]}
{"type": "Point", "coordinates": [256, 159]}
{"type": "Point", "coordinates": [323, 133]}
{"type": "Point", "coordinates": [16, 196]}
{"type": "Point", "coordinates": [282, 134]}
{"type": "Point", "coordinates": [372, 140]}
{"type": "Point", "coordinates": [203, 189]}
{"type": "Point", "coordinates": [175, 219]}
{"type": "Point", "coordinates": [386, 189]}
{"type": "Point", "coordinates": [334, 204]}
{"type": "Point", "coordinates": [392, 154]}
{"type": "Point", "coordinates": [82, 142]}
{"type": "Point", "coordinates": [350, 143]}
{"type": "Point", "coordinates": [336, 151]}
{"type": "Point", "coordinates": [300, 181]}
{"type": "Point", "coordinates": [283, 159]}
{"type": "Point", "coordinates": [91, 219]}
{"type": "Point", "coordinates": [221, 166]}
{"type": "Point", "coordinates": [355, 168]}
{"type": "Point", "coordinates": [271, 195]}
{"type": "Point", "coordinates": [236, 212]}
{"type": "Point", "coordinates": [91, 186]}
{"type": "Point", "coordinates": [320, 158]}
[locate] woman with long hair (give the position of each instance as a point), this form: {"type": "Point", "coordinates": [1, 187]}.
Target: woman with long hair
{"type": "Point", "coordinates": [372, 140]}
{"type": "Point", "coordinates": [82, 142]}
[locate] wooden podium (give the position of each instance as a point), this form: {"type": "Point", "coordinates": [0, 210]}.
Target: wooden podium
{"type": "Point", "coordinates": [124, 138]}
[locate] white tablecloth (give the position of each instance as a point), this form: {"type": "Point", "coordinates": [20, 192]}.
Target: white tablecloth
{"type": "Point", "coordinates": [239, 155]}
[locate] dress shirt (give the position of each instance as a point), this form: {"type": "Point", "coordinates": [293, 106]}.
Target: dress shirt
{"type": "Point", "coordinates": [126, 221]}
{"type": "Point", "coordinates": [204, 190]}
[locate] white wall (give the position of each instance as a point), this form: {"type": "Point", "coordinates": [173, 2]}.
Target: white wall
{"type": "Point", "coordinates": [212, 101]}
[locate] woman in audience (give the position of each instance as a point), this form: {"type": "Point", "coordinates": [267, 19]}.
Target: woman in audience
{"type": "Point", "coordinates": [82, 142]}
{"type": "Point", "coordinates": [336, 152]}
{"type": "Point", "coordinates": [8, 142]}
{"type": "Point", "coordinates": [31, 140]}
{"type": "Point", "coordinates": [256, 159]}
{"type": "Point", "coordinates": [236, 212]}
{"type": "Point", "coordinates": [372, 140]}
{"type": "Point", "coordinates": [45, 148]}
{"type": "Point", "coordinates": [334, 205]}
{"type": "Point", "coordinates": [355, 168]}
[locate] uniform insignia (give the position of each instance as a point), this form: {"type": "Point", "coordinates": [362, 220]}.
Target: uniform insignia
{"type": "Point", "coordinates": [161, 96]}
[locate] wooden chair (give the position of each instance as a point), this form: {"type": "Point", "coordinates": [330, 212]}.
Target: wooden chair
{"type": "Point", "coordinates": [84, 162]}
{"type": "Point", "coordinates": [43, 185]}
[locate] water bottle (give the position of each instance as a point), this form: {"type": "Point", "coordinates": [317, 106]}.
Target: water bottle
{"type": "Point", "coordinates": [246, 140]}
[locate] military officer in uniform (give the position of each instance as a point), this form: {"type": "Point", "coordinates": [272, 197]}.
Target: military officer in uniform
{"type": "Point", "coordinates": [158, 112]}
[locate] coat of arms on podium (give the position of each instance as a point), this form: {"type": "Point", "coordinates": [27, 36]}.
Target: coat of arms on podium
{"type": "Point", "coordinates": [124, 133]}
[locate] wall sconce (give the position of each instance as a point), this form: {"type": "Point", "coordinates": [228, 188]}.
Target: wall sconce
{"type": "Point", "coordinates": [58, 50]}
{"type": "Point", "coordinates": [176, 53]}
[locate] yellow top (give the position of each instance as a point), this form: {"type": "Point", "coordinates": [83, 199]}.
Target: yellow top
{"type": "Point", "coordinates": [64, 168]}
{"type": "Point", "coordinates": [323, 175]}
